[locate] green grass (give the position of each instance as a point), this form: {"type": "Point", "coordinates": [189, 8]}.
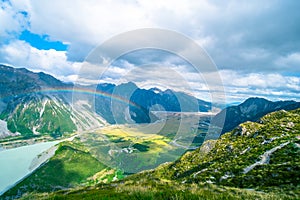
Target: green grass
{"type": "Point", "coordinates": [152, 143]}
{"type": "Point", "coordinates": [25, 117]}
{"type": "Point", "coordinates": [56, 120]}
{"type": "Point", "coordinates": [157, 191]}
{"type": "Point", "coordinates": [188, 177]}
{"type": "Point", "coordinates": [242, 147]}
{"type": "Point", "coordinates": [71, 166]}
{"type": "Point", "coordinates": [110, 145]}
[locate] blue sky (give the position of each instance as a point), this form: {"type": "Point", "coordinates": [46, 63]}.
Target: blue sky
{"type": "Point", "coordinates": [255, 45]}
{"type": "Point", "coordinates": [42, 41]}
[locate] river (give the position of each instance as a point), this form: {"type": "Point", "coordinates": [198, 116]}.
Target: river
{"type": "Point", "coordinates": [17, 163]}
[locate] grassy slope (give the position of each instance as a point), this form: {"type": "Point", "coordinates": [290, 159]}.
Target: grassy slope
{"type": "Point", "coordinates": [25, 117]}
{"type": "Point", "coordinates": [71, 166]}
{"type": "Point", "coordinates": [157, 191]}
{"type": "Point", "coordinates": [223, 162]}
{"type": "Point", "coordinates": [184, 179]}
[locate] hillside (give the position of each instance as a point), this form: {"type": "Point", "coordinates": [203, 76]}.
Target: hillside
{"type": "Point", "coordinates": [122, 149]}
{"type": "Point", "coordinates": [34, 104]}
{"type": "Point", "coordinates": [257, 160]}
{"type": "Point", "coordinates": [71, 166]}
{"type": "Point", "coordinates": [250, 110]}
{"type": "Point", "coordinates": [262, 155]}
{"type": "Point", "coordinates": [16, 81]}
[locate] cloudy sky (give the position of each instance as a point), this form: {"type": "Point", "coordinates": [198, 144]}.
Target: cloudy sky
{"type": "Point", "coordinates": [255, 45]}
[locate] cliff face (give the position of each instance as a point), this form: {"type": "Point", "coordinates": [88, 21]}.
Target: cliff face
{"type": "Point", "coordinates": [250, 110]}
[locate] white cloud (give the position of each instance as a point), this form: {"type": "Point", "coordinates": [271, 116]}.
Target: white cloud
{"type": "Point", "coordinates": [12, 20]}
{"type": "Point", "coordinates": [258, 80]}
{"type": "Point", "coordinates": [84, 22]}
{"type": "Point", "coordinates": [235, 33]}
{"type": "Point", "coordinates": [258, 45]}
{"type": "Point", "coordinates": [274, 85]}
{"type": "Point", "coordinates": [21, 54]}
{"type": "Point", "coordinates": [291, 61]}
{"type": "Point", "coordinates": [255, 54]}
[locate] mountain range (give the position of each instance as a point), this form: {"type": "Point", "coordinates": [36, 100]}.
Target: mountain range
{"type": "Point", "coordinates": [37, 103]}
{"type": "Point", "coordinates": [256, 156]}
{"type": "Point", "coordinates": [250, 110]}
{"type": "Point", "coordinates": [143, 101]}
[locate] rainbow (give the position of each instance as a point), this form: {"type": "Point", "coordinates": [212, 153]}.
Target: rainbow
{"type": "Point", "coordinates": [84, 91]}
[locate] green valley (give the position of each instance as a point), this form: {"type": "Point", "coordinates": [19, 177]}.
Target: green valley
{"type": "Point", "coordinates": [257, 160]}
{"type": "Point", "coordinates": [71, 166]}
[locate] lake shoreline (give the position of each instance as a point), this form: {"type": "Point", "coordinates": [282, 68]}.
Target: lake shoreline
{"type": "Point", "coordinates": [14, 166]}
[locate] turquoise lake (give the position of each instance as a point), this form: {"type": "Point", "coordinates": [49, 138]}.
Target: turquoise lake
{"type": "Point", "coordinates": [15, 163]}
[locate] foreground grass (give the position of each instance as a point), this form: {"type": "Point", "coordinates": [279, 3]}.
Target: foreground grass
{"type": "Point", "coordinates": [157, 191]}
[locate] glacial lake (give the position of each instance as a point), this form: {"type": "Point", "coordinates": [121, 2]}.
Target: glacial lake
{"type": "Point", "coordinates": [16, 163]}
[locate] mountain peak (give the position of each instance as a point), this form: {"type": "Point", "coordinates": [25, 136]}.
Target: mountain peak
{"type": "Point", "coordinates": [155, 90]}
{"type": "Point", "coordinates": [168, 91]}
{"type": "Point", "coordinates": [255, 99]}
{"type": "Point", "coordinates": [251, 110]}
{"type": "Point", "coordinates": [128, 85]}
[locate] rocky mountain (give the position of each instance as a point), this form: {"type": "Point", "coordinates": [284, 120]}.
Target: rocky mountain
{"type": "Point", "coordinates": [250, 110]}
{"type": "Point", "coordinates": [18, 81]}
{"type": "Point", "coordinates": [37, 103]}
{"type": "Point", "coordinates": [136, 103]}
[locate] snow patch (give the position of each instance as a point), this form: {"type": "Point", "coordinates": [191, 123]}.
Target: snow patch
{"type": "Point", "coordinates": [43, 108]}
{"type": "Point", "coordinates": [34, 130]}
{"type": "Point", "coordinates": [4, 132]}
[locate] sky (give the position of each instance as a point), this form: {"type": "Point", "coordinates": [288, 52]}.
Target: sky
{"type": "Point", "coordinates": [255, 45]}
